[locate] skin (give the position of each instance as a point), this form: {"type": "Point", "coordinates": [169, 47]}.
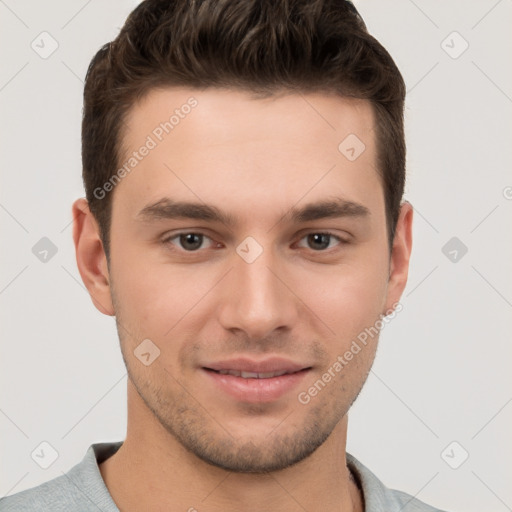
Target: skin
{"type": "Point", "coordinates": [188, 444]}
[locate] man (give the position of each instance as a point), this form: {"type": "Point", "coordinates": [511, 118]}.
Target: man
{"type": "Point", "coordinates": [244, 166]}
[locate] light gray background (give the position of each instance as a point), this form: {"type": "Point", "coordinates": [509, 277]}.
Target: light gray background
{"type": "Point", "coordinates": [442, 372]}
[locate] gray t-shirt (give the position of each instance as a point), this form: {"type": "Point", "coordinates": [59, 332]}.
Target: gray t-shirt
{"type": "Point", "coordinates": [83, 489]}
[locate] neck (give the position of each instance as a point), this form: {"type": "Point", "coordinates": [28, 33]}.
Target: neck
{"type": "Point", "coordinates": [153, 470]}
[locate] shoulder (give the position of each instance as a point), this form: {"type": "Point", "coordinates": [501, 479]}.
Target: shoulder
{"type": "Point", "coordinates": [81, 488]}
{"type": "Point", "coordinates": [379, 498]}
{"type": "Point", "coordinates": [408, 503]}
{"type": "Point", "coordinates": [55, 495]}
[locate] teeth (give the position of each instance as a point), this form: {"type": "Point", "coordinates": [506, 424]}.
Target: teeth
{"type": "Point", "coordinates": [268, 375]}
{"type": "Point", "coordinates": [249, 375]}
{"type": "Point", "coordinates": [252, 375]}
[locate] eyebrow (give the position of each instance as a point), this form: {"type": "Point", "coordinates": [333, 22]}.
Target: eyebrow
{"type": "Point", "coordinates": [166, 208]}
{"type": "Point", "coordinates": [334, 208]}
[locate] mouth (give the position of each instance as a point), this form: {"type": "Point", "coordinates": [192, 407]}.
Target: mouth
{"type": "Point", "coordinates": [256, 382]}
{"type": "Point", "coordinates": [252, 375]}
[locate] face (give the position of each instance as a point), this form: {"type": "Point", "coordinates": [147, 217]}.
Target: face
{"type": "Point", "coordinates": [249, 250]}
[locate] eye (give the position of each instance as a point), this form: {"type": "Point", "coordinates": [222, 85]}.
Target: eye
{"type": "Point", "coordinates": [321, 241]}
{"type": "Point", "coordinates": [189, 242]}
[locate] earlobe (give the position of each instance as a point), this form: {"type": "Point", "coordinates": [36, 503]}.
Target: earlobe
{"type": "Point", "coordinates": [90, 257]}
{"type": "Point", "coordinates": [400, 256]}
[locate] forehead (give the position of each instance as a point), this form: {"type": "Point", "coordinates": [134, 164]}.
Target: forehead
{"type": "Point", "coordinates": [215, 113]}
{"type": "Point", "coordinates": [225, 146]}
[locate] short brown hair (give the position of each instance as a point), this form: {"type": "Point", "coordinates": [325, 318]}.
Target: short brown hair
{"type": "Point", "coordinates": [263, 46]}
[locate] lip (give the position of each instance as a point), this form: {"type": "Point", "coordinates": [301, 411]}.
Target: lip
{"type": "Point", "coordinates": [256, 390]}
{"type": "Point", "coordinates": [243, 364]}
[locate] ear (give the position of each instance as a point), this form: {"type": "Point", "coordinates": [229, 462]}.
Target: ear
{"type": "Point", "coordinates": [400, 256]}
{"type": "Point", "coordinates": [90, 257]}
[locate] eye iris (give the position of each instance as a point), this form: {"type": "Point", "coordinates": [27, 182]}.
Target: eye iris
{"type": "Point", "coordinates": [191, 241]}
{"type": "Point", "coordinates": [319, 238]}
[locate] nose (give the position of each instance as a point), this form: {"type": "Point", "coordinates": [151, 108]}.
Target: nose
{"type": "Point", "coordinates": [257, 298]}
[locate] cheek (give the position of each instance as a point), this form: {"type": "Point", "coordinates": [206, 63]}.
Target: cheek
{"type": "Point", "coordinates": [347, 298]}
{"type": "Point", "coordinates": [161, 301]}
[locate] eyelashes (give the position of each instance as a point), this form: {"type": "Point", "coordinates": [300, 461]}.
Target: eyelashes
{"type": "Point", "coordinates": [192, 241]}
